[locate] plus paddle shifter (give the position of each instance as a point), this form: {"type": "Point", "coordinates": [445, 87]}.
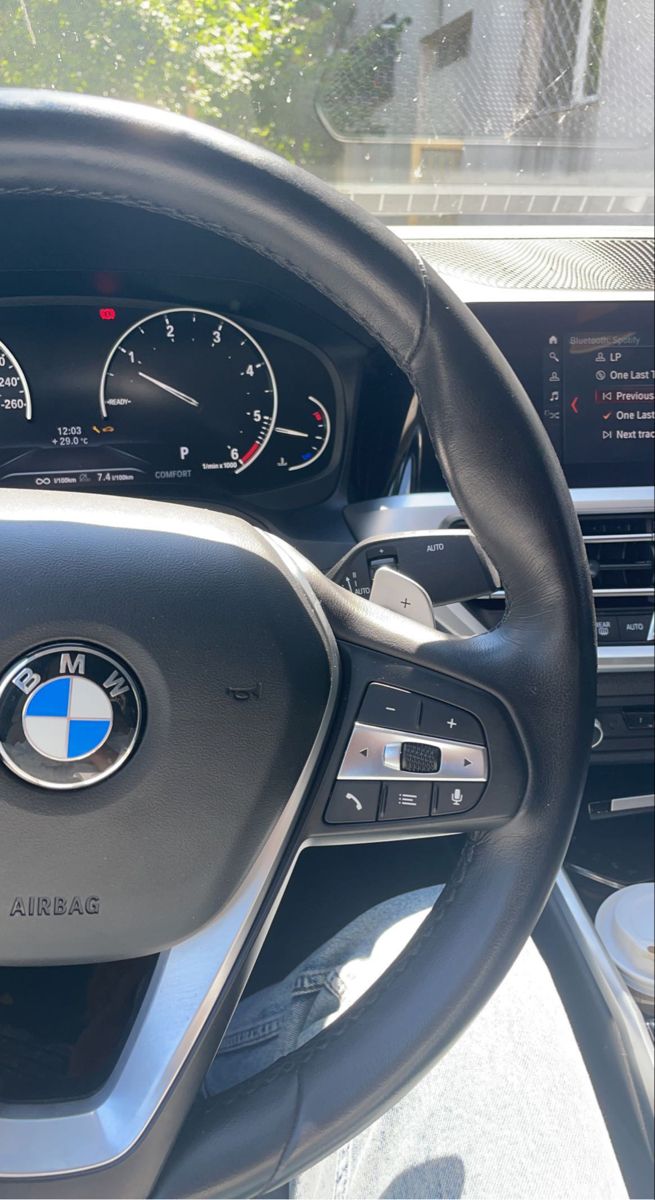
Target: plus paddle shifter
{"type": "Point", "coordinates": [412, 573]}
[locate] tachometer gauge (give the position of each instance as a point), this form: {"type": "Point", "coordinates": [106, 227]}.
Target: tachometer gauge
{"type": "Point", "coordinates": [301, 435]}
{"type": "Point", "coordinates": [15, 400]}
{"type": "Point", "coordinates": [192, 378]}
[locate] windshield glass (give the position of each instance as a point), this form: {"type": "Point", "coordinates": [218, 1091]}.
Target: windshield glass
{"type": "Point", "coordinates": [428, 112]}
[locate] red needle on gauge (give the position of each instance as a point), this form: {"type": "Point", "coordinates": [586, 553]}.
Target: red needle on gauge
{"type": "Point", "coordinates": [173, 391]}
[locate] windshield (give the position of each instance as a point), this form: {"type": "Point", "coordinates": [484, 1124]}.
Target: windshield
{"type": "Point", "coordinates": [427, 112]}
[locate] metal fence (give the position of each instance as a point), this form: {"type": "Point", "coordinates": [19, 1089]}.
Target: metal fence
{"type": "Point", "coordinates": [563, 72]}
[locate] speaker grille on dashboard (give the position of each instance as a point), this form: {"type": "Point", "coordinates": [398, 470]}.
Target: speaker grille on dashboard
{"type": "Point", "coordinates": [569, 264]}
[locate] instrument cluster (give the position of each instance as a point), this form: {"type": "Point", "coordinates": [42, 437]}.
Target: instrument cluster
{"type": "Point", "coordinates": [138, 395]}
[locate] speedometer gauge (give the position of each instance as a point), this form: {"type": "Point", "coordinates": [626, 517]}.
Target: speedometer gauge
{"type": "Point", "coordinates": [15, 401]}
{"type": "Point", "coordinates": [190, 376]}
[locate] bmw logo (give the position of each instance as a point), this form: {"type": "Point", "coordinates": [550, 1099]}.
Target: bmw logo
{"type": "Point", "coordinates": [70, 715]}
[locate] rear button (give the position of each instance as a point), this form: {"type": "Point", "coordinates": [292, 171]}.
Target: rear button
{"type": "Point", "coordinates": [607, 630]}
{"type": "Point", "coordinates": [451, 798]}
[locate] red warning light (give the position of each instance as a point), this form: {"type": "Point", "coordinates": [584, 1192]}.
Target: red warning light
{"type": "Point", "coordinates": [107, 314]}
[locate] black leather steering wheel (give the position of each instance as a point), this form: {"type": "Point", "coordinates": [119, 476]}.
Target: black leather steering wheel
{"type": "Point", "coordinates": [190, 840]}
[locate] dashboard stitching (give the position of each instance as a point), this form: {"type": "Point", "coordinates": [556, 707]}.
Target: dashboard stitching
{"type": "Point", "coordinates": [322, 1041]}
{"type": "Point", "coordinates": [250, 244]}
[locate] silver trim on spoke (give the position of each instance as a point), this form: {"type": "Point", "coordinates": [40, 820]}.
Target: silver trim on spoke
{"type": "Point", "coordinates": [374, 753]}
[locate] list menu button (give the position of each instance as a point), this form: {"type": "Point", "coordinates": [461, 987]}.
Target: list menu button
{"type": "Point", "coordinates": [406, 800]}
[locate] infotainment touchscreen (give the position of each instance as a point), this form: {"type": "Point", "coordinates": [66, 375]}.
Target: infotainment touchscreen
{"type": "Point", "coordinates": [590, 371]}
{"type": "Point", "coordinates": [603, 395]}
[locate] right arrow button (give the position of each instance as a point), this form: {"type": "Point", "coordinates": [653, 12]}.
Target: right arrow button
{"type": "Point", "coordinates": [463, 762]}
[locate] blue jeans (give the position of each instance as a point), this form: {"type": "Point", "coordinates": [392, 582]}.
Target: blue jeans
{"type": "Point", "coordinates": [508, 1112]}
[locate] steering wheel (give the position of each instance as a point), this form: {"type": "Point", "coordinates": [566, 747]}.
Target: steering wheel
{"type": "Point", "coordinates": [253, 670]}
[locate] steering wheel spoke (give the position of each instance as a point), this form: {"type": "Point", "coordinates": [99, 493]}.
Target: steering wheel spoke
{"type": "Point", "coordinates": [422, 746]}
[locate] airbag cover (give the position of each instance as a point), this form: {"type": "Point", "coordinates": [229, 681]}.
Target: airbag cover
{"type": "Point", "coordinates": [235, 678]}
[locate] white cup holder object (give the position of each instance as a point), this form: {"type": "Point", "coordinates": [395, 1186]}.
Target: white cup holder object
{"type": "Point", "coordinates": [625, 922]}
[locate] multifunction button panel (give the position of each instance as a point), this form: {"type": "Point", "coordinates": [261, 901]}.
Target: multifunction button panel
{"type": "Point", "coordinates": [409, 756]}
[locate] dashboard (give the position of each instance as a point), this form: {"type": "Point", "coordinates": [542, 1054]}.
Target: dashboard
{"type": "Point", "coordinates": [127, 393]}
{"type": "Point", "coordinates": [115, 392]}
{"type": "Point", "coordinates": [143, 357]}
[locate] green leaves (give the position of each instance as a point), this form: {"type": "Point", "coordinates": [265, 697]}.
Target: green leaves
{"type": "Point", "coordinates": [251, 67]}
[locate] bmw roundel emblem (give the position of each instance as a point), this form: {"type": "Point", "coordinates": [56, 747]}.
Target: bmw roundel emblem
{"type": "Point", "coordinates": [70, 715]}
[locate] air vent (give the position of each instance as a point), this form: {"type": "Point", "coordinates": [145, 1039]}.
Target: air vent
{"type": "Point", "coordinates": [621, 555]}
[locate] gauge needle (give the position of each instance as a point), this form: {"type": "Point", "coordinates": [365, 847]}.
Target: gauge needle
{"type": "Point", "coordinates": [173, 391]}
{"type": "Point", "coordinates": [291, 432]}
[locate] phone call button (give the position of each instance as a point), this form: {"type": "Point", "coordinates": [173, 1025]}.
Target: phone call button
{"type": "Point", "coordinates": [353, 800]}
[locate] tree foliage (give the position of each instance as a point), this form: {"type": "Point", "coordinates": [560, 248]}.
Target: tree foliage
{"type": "Point", "coordinates": [252, 67]}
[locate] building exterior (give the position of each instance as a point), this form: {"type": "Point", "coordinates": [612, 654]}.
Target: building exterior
{"type": "Point", "coordinates": [552, 99]}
